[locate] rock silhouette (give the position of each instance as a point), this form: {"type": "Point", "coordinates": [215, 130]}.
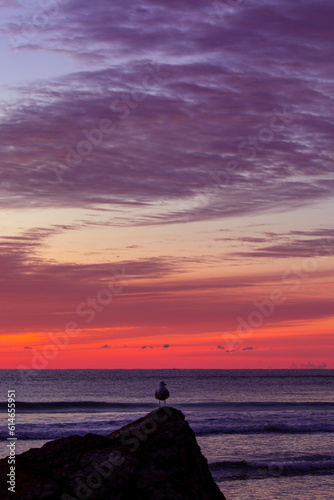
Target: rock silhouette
{"type": "Point", "coordinates": [154, 458]}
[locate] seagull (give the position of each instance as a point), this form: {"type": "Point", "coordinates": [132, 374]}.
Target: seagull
{"type": "Point", "coordinates": [162, 393]}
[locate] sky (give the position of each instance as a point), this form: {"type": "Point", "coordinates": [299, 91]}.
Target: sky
{"type": "Point", "coordinates": [166, 184]}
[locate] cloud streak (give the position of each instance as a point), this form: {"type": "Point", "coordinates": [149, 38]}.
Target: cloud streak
{"type": "Point", "coordinates": [159, 292]}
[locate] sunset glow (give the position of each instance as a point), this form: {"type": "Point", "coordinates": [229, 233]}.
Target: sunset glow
{"type": "Point", "coordinates": [167, 185]}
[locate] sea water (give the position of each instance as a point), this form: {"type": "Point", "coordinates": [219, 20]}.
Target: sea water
{"type": "Point", "coordinates": [267, 434]}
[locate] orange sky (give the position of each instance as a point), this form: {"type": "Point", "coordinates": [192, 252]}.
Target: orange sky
{"type": "Point", "coordinates": [173, 312]}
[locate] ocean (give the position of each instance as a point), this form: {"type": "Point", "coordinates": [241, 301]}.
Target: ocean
{"type": "Point", "coordinates": [267, 434]}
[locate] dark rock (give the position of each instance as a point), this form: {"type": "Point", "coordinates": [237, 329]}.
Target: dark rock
{"type": "Point", "coordinates": [154, 458]}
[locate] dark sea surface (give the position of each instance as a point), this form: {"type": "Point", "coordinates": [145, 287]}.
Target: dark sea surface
{"type": "Point", "coordinates": [267, 434]}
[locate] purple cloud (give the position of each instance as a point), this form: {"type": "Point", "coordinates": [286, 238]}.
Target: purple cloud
{"type": "Point", "coordinates": [203, 115]}
{"type": "Point", "coordinates": [319, 243]}
{"type": "Point", "coordinates": [309, 365]}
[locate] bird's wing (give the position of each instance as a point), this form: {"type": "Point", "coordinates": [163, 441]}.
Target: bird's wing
{"type": "Point", "coordinates": [156, 394]}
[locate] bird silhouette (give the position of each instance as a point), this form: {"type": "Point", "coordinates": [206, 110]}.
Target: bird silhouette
{"type": "Point", "coordinates": [162, 393]}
